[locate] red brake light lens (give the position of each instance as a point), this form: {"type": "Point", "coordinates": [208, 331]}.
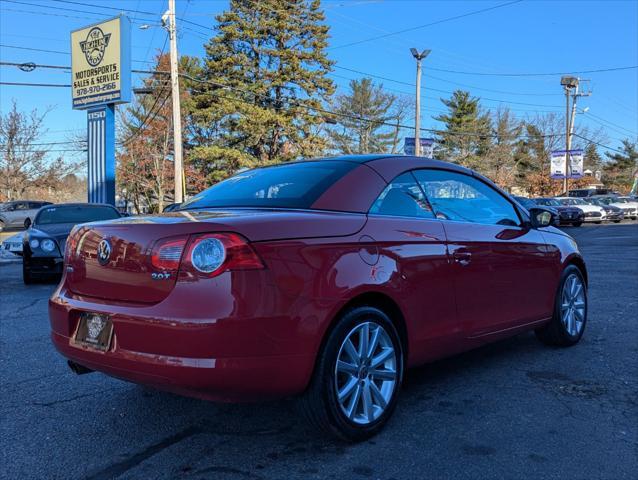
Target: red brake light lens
{"type": "Point", "coordinates": [167, 253]}
{"type": "Point", "coordinates": [210, 254]}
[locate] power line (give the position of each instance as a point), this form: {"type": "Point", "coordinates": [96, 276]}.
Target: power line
{"type": "Point", "coordinates": [60, 8]}
{"type": "Point", "coordinates": [60, 52]}
{"type": "Point", "coordinates": [411, 29]}
{"type": "Point", "coordinates": [527, 74]}
{"type": "Point", "coordinates": [25, 84]}
{"type": "Point", "coordinates": [598, 143]}
{"type": "Point", "coordinates": [93, 5]}
{"type": "Point", "coordinates": [444, 91]}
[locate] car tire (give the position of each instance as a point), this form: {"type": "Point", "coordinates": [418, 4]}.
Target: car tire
{"type": "Point", "coordinates": [27, 277]}
{"type": "Point", "coordinates": [598, 223]}
{"type": "Point", "coordinates": [616, 221]}
{"type": "Point", "coordinates": [1, 225]}
{"type": "Point", "coordinates": [570, 311]}
{"type": "Point", "coordinates": [368, 401]}
{"type": "Point", "coordinates": [577, 224]}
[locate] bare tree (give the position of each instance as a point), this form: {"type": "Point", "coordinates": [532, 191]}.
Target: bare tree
{"type": "Point", "coordinates": [24, 163]}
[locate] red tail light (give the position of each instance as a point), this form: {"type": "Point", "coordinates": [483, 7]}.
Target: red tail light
{"type": "Point", "coordinates": [210, 254]}
{"type": "Point", "coordinates": [167, 253]}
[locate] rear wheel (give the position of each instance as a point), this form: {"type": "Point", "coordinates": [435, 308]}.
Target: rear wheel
{"type": "Point", "coordinates": [357, 378]}
{"type": "Point", "coordinates": [570, 311]}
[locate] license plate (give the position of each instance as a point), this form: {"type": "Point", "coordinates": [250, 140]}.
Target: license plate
{"type": "Point", "coordinates": [95, 331]}
{"type": "Point", "coordinates": [14, 247]}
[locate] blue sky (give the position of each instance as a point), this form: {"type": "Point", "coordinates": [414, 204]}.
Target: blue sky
{"type": "Point", "coordinates": [524, 37]}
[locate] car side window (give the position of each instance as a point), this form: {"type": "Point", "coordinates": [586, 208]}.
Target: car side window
{"type": "Point", "coordinates": [22, 206]}
{"type": "Point", "coordinates": [402, 198]}
{"type": "Point", "coordinates": [462, 198]}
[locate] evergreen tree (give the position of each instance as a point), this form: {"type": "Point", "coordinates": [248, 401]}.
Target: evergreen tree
{"type": "Point", "coordinates": [620, 168]}
{"type": "Point", "coordinates": [501, 162]}
{"type": "Point", "coordinates": [366, 101]}
{"type": "Point", "coordinates": [265, 73]}
{"type": "Point", "coordinates": [466, 137]}
{"type": "Point", "coordinates": [591, 158]}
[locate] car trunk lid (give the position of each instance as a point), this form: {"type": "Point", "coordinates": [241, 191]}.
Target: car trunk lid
{"type": "Point", "coordinates": [128, 274]}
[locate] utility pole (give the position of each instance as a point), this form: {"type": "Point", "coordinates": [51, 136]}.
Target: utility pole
{"type": "Point", "coordinates": [572, 89]}
{"type": "Point", "coordinates": [177, 117]}
{"type": "Point", "coordinates": [569, 83]}
{"type": "Point", "coordinates": [417, 118]}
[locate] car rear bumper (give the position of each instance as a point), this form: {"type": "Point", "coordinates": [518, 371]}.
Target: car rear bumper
{"type": "Point", "coordinates": [230, 379]}
{"type": "Point", "coordinates": [213, 352]}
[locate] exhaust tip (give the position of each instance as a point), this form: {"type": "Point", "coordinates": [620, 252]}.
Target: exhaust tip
{"type": "Point", "coordinates": [77, 368]}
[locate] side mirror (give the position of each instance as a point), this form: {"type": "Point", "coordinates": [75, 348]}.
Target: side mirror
{"type": "Point", "coordinates": [541, 217]}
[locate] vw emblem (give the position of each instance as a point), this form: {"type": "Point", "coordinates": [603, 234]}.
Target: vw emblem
{"type": "Point", "coordinates": [103, 252]}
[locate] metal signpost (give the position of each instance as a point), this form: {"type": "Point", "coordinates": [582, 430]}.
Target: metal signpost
{"type": "Point", "coordinates": [101, 73]}
{"type": "Point", "coordinates": [426, 144]}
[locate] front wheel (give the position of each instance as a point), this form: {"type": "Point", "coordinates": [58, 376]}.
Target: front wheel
{"type": "Point", "coordinates": [570, 311]}
{"type": "Point", "coordinates": [357, 377]}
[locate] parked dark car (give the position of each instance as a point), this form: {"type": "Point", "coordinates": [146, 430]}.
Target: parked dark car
{"type": "Point", "coordinates": [44, 243]}
{"type": "Point", "coordinates": [171, 207]}
{"type": "Point", "coordinates": [613, 213]}
{"type": "Point", "coordinates": [325, 279]}
{"type": "Point", "coordinates": [567, 215]}
{"type": "Point", "coordinates": [19, 213]}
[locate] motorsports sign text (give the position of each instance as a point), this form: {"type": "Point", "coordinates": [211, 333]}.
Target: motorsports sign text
{"type": "Point", "coordinates": [101, 71]}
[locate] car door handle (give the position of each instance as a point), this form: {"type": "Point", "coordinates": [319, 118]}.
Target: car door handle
{"type": "Point", "coordinates": [462, 257]}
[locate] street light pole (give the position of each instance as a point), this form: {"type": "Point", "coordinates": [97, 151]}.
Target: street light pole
{"type": "Point", "coordinates": [177, 117]}
{"type": "Point", "coordinates": [417, 118]}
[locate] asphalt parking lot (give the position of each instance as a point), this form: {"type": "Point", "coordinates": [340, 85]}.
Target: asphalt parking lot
{"type": "Point", "coordinates": [515, 409]}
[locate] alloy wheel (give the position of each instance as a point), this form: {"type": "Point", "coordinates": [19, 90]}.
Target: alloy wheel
{"type": "Point", "coordinates": [365, 373]}
{"type": "Point", "coordinates": [573, 305]}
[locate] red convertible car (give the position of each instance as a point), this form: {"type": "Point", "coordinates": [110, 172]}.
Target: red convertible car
{"type": "Point", "coordinates": [322, 278]}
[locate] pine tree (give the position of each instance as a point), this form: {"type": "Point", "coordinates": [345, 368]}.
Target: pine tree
{"type": "Point", "coordinates": [466, 136]}
{"type": "Point", "coordinates": [500, 164]}
{"type": "Point", "coordinates": [619, 170]}
{"type": "Point", "coordinates": [265, 73]}
{"type": "Point", "coordinates": [592, 159]}
{"type": "Point", "coordinates": [366, 101]}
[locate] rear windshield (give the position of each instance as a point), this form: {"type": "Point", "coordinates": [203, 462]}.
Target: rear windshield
{"type": "Point", "coordinates": [295, 185]}
{"type": "Point", "coordinates": [75, 215]}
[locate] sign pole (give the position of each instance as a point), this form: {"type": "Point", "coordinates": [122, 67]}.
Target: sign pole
{"type": "Point", "coordinates": [101, 154]}
{"type": "Point", "coordinates": [101, 75]}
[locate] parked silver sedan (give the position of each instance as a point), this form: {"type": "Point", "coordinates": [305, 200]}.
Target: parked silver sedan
{"type": "Point", "coordinates": [19, 214]}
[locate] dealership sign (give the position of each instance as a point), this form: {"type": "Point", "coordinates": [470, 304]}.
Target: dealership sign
{"type": "Point", "coordinates": [427, 146]}
{"type": "Point", "coordinates": [101, 63]}
{"type": "Point", "coordinates": [557, 161]}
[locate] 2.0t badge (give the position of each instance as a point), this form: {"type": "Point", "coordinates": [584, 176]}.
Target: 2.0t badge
{"type": "Point", "coordinates": [103, 252]}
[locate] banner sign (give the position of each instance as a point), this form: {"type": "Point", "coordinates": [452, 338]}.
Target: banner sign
{"type": "Point", "coordinates": [427, 146]}
{"type": "Point", "coordinates": [101, 63]}
{"type": "Point", "coordinates": [557, 161]}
